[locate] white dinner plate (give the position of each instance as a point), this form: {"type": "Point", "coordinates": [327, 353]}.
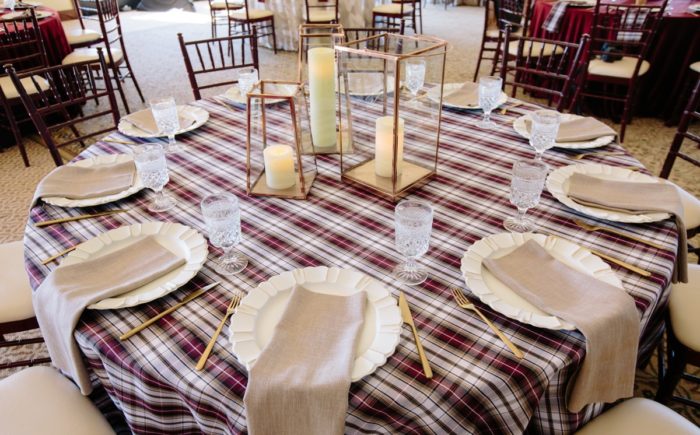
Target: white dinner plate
{"type": "Point", "coordinates": [558, 186]}
{"type": "Point", "coordinates": [434, 96]}
{"type": "Point", "coordinates": [200, 116]}
{"type": "Point", "coordinates": [179, 239]}
{"type": "Point", "coordinates": [92, 162]}
{"type": "Point", "coordinates": [255, 319]}
{"type": "Point", "coordinates": [40, 15]}
{"type": "Point", "coordinates": [581, 3]}
{"type": "Point", "coordinates": [233, 96]}
{"type": "Point", "coordinates": [366, 84]}
{"type": "Point", "coordinates": [501, 298]}
{"type": "Point", "coordinates": [520, 128]}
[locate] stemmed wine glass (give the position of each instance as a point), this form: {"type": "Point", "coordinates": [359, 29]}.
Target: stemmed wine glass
{"type": "Point", "coordinates": [544, 130]}
{"type": "Point", "coordinates": [489, 93]}
{"type": "Point", "coordinates": [526, 187]}
{"type": "Point", "coordinates": [413, 223]}
{"type": "Point", "coordinates": [415, 78]}
{"type": "Point", "coordinates": [222, 215]}
{"type": "Point", "coordinates": [247, 78]}
{"type": "Point", "coordinates": [165, 114]}
{"type": "Point", "coordinates": [153, 171]}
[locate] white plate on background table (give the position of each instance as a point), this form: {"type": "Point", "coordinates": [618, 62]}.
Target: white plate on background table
{"type": "Point", "coordinates": [93, 162]}
{"type": "Point", "coordinates": [233, 96]}
{"type": "Point", "coordinates": [521, 129]}
{"type": "Point", "coordinates": [581, 3]}
{"type": "Point", "coordinates": [434, 96]}
{"type": "Point", "coordinates": [253, 323]}
{"type": "Point", "coordinates": [558, 186]}
{"type": "Point", "coordinates": [366, 84]}
{"type": "Point", "coordinates": [40, 15]}
{"type": "Point", "coordinates": [502, 299]}
{"type": "Point", "coordinates": [180, 239]}
{"type": "Point", "coordinates": [200, 116]}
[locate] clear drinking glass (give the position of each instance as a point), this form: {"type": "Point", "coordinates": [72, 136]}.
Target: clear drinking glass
{"type": "Point", "coordinates": [413, 223]}
{"type": "Point", "coordinates": [543, 134]}
{"type": "Point", "coordinates": [489, 93]}
{"type": "Point", "coordinates": [526, 187]}
{"type": "Point", "coordinates": [165, 114]}
{"type": "Point", "coordinates": [247, 78]}
{"type": "Point", "coordinates": [153, 171]}
{"type": "Point", "coordinates": [415, 78]}
{"type": "Point", "coordinates": [222, 215]}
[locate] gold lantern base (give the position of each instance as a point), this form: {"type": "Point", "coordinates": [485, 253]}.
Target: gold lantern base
{"type": "Point", "coordinates": [412, 175]}
{"type": "Point", "coordinates": [260, 187]}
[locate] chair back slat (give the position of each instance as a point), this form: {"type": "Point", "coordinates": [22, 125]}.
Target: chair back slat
{"type": "Point", "coordinates": [21, 43]}
{"type": "Point", "coordinates": [358, 33]}
{"type": "Point", "coordinates": [512, 12]}
{"type": "Point", "coordinates": [691, 113]}
{"type": "Point", "coordinates": [323, 5]}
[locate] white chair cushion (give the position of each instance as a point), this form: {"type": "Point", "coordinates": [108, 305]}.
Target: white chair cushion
{"type": "Point", "coordinates": [623, 68]}
{"type": "Point", "coordinates": [15, 292]}
{"type": "Point", "coordinates": [493, 33]}
{"type": "Point", "coordinates": [392, 8]}
{"type": "Point", "coordinates": [221, 4]}
{"type": "Point", "coordinates": [639, 417]}
{"type": "Point", "coordinates": [254, 14]}
{"type": "Point", "coordinates": [8, 88]}
{"type": "Point", "coordinates": [77, 35]}
{"type": "Point", "coordinates": [684, 306]}
{"type": "Point", "coordinates": [548, 49]}
{"type": "Point", "coordinates": [39, 400]}
{"type": "Point", "coordinates": [695, 66]}
{"type": "Point", "coordinates": [317, 15]}
{"type": "Point", "coordinates": [87, 54]}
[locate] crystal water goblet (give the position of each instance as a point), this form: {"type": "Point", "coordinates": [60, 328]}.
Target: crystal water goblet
{"type": "Point", "coordinates": [165, 114]}
{"type": "Point", "coordinates": [415, 78]}
{"type": "Point", "coordinates": [526, 187]}
{"type": "Point", "coordinates": [153, 171]}
{"type": "Point", "coordinates": [489, 93]}
{"type": "Point", "coordinates": [543, 131]}
{"type": "Point", "coordinates": [413, 223]}
{"type": "Point", "coordinates": [222, 215]}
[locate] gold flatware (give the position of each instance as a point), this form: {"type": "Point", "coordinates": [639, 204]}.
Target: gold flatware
{"type": "Point", "coordinates": [195, 294]}
{"type": "Point", "coordinates": [123, 142]}
{"type": "Point", "coordinates": [408, 318]}
{"type": "Point", "coordinates": [597, 154]}
{"type": "Point", "coordinates": [77, 218]}
{"type": "Point", "coordinates": [55, 256]}
{"type": "Point", "coordinates": [465, 303]}
{"type": "Point", "coordinates": [513, 106]}
{"type": "Point", "coordinates": [231, 308]}
{"type": "Point", "coordinates": [589, 227]}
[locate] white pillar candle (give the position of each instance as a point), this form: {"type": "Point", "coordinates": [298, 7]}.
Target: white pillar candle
{"type": "Point", "coordinates": [322, 96]}
{"type": "Point", "coordinates": [384, 147]}
{"type": "Point", "coordinates": [279, 167]}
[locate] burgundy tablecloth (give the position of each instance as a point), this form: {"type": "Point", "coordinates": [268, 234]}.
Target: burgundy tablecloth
{"type": "Point", "coordinates": [54, 37]}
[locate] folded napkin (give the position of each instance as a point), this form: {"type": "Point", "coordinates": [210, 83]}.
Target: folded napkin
{"type": "Point", "coordinates": [300, 382]}
{"type": "Point", "coordinates": [635, 198]}
{"type": "Point", "coordinates": [74, 182]}
{"type": "Point", "coordinates": [556, 15]}
{"type": "Point", "coordinates": [604, 314]}
{"type": "Point", "coordinates": [466, 95]}
{"type": "Point", "coordinates": [145, 121]}
{"type": "Point", "coordinates": [579, 129]}
{"type": "Point", "coordinates": [67, 290]}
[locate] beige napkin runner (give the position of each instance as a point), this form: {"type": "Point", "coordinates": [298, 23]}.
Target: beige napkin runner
{"type": "Point", "coordinates": [300, 382]}
{"type": "Point", "coordinates": [467, 95]}
{"type": "Point", "coordinates": [62, 297]}
{"type": "Point", "coordinates": [579, 129]}
{"type": "Point", "coordinates": [635, 198]}
{"type": "Point", "coordinates": [145, 121]}
{"type": "Point", "coordinates": [74, 182]}
{"type": "Point", "coordinates": [604, 314]}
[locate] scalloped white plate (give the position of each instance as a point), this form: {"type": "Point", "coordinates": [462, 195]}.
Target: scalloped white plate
{"type": "Point", "coordinates": [255, 319]}
{"type": "Point", "coordinates": [501, 298]}
{"type": "Point", "coordinates": [179, 239]}
{"type": "Point", "coordinates": [200, 116]}
{"type": "Point", "coordinates": [109, 159]}
{"type": "Point", "coordinates": [233, 96]}
{"type": "Point", "coordinates": [434, 96]}
{"type": "Point", "coordinates": [519, 126]}
{"type": "Point", "coordinates": [558, 186]}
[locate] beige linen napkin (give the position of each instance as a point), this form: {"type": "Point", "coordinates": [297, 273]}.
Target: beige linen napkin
{"type": "Point", "coordinates": [67, 290]}
{"type": "Point", "coordinates": [579, 129]}
{"type": "Point", "coordinates": [74, 182]}
{"type": "Point", "coordinates": [145, 121]}
{"type": "Point", "coordinates": [635, 198]}
{"type": "Point", "coordinates": [300, 382]}
{"type": "Point", "coordinates": [604, 314]}
{"type": "Point", "coordinates": [466, 95]}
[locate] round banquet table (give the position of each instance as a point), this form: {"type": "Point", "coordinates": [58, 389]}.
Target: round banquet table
{"type": "Point", "coordinates": [479, 386]}
{"type": "Point", "coordinates": [53, 36]}
{"type": "Point", "coordinates": [677, 44]}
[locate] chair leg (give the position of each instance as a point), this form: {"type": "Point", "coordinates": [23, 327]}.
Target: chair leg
{"type": "Point", "coordinates": [677, 356]}
{"type": "Point", "coordinates": [17, 134]}
{"type": "Point", "coordinates": [120, 88]}
{"type": "Point", "coordinates": [478, 62]}
{"type": "Point", "coordinates": [420, 16]}
{"type": "Point", "coordinates": [499, 43]}
{"type": "Point", "coordinates": [274, 36]}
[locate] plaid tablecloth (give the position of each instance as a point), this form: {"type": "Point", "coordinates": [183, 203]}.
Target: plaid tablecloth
{"type": "Point", "coordinates": [479, 386]}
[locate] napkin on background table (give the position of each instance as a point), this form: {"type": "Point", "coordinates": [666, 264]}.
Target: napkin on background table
{"type": "Point", "coordinates": [466, 95]}
{"type": "Point", "coordinates": [605, 315]}
{"type": "Point", "coordinates": [579, 129]}
{"type": "Point", "coordinates": [635, 198]}
{"type": "Point", "coordinates": [300, 382]}
{"type": "Point", "coordinates": [145, 121]}
{"type": "Point", "coordinates": [65, 293]}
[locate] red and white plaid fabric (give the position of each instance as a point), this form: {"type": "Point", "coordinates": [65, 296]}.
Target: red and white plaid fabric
{"type": "Point", "coordinates": [556, 16]}
{"type": "Point", "coordinates": [634, 21]}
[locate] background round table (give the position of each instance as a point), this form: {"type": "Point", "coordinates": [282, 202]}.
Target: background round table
{"type": "Point", "coordinates": [53, 36]}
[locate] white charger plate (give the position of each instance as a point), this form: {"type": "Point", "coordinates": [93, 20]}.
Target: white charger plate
{"type": "Point", "coordinates": [366, 84]}
{"type": "Point", "coordinates": [40, 15]}
{"type": "Point", "coordinates": [179, 239]}
{"type": "Point", "coordinates": [434, 96]}
{"type": "Point", "coordinates": [255, 319]}
{"type": "Point", "coordinates": [91, 162]}
{"type": "Point", "coordinates": [558, 186]}
{"type": "Point", "coordinates": [521, 129]}
{"type": "Point", "coordinates": [200, 116]}
{"type": "Point", "coordinates": [501, 298]}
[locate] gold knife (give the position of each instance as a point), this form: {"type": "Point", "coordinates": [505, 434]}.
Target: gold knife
{"type": "Point", "coordinates": [55, 256]}
{"type": "Point", "coordinates": [77, 218]}
{"type": "Point", "coordinates": [408, 318]}
{"type": "Point", "coordinates": [195, 294]}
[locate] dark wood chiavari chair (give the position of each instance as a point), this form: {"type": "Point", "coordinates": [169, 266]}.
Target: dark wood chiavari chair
{"type": "Point", "coordinates": [513, 13]}
{"type": "Point", "coordinates": [70, 86]}
{"type": "Point", "coordinates": [690, 114]}
{"type": "Point", "coordinates": [417, 6]}
{"type": "Point", "coordinates": [322, 11]}
{"type": "Point", "coordinates": [212, 56]}
{"type": "Point", "coordinates": [393, 15]}
{"type": "Point", "coordinates": [532, 70]}
{"type": "Point", "coordinates": [77, 34]}
{"type": "Point", "coordinates": [218, 12]}
{"type": "Point", "coordinates": [629, 29]}
{"type": "Point", "coordinates": [489, 36]}
{"type": "Point", "coordinates": [243, 21]}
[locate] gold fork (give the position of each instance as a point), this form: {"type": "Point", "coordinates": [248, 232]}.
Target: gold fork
{"type": "Point", "coordinates": [463, 302]}
{"type": "Point", "coordinates": [589, 227]}
{"type": "Point", "coordinates": [597, 154]}
{"type": "Point", "coordinates": [231, 308]}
